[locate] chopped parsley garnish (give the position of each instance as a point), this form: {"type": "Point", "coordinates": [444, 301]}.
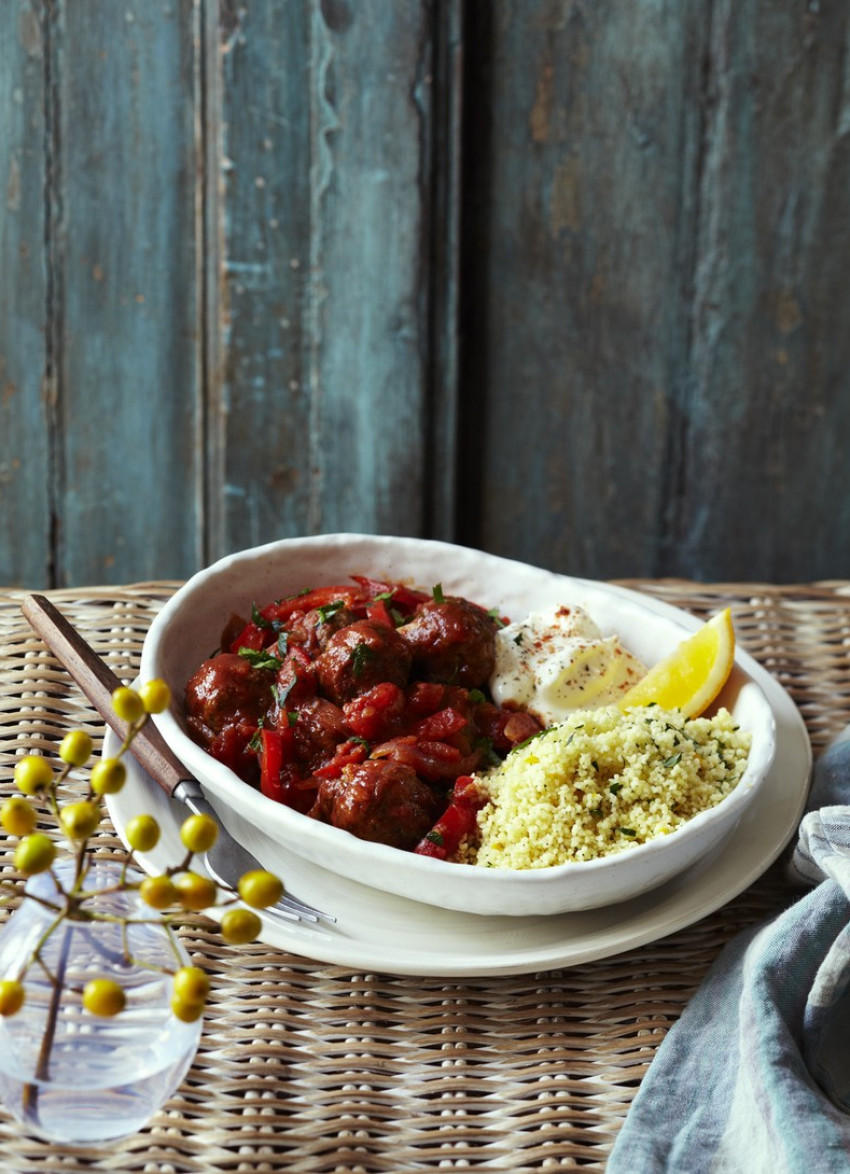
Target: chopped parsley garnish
{"type": "Point", "coordinates": [260, 620]}
{"type": "Point", "coordinates": [518, 638]}
{"type": "Point", "coordinates": [361, 654]}
{"type": "Point", "coordinates": [527, 741]}
{"type": "Point", "coordinates": [435, 837]}
{"type": "Point", "coordinates": [614, 788]}
{"type": "Point", "coordinates": [672, 760]}
{"type": "Point", "coordinates": [260, 658]}
{"type": "Point", "coordinates": [627, 831]}
{"type": "Point", "coordinates": [329, 609]}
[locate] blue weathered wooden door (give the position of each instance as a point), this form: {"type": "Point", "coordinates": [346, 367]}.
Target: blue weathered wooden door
{"type": "Point", "coordinates": [561, 280]}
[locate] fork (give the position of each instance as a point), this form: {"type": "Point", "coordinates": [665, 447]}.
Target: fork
{"type": "Point", "coordinates": [227, 860]}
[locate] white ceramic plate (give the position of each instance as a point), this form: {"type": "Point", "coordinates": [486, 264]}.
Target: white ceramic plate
{"type": "Point", "coordinates": [186, 629]}
{"type": "Point", "coordinates": [376, 931]}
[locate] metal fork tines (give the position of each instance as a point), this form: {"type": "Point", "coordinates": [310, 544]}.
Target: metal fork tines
{"type": "Point", "coordinates": [227, 860]}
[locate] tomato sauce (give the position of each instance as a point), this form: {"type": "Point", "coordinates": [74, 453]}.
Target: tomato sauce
{"type": "Point", "coordinates": [365, 705]}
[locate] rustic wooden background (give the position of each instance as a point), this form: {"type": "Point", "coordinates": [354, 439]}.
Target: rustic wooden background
{"type": "Point", "coordinates": [562, 280]}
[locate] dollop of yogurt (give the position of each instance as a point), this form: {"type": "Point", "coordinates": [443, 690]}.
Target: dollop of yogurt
{"type": "Point", "coordinates": [556, 661]}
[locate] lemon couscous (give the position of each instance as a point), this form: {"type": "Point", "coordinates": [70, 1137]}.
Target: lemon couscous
{"type": "Point", "coordinates": [603, 781]}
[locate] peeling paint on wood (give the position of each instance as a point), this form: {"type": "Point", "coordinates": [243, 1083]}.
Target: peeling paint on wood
{"type": "Point", "coordinates": [664, 244]}
{"type": "Point", "coordinates": [126, 162]}
{"type": "Point", "coordinates": [562, 281]}
{"type": "Point", "coordinates": [25, 434]}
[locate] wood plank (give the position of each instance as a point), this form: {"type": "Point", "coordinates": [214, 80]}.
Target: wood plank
{"type": "Point", "coordinates": [123, 198]}
{"type": "Point", "coordinates": [581, 132]}
{"type": "Point", "coordinates": [229, 299]}
{"type": "Point", "coordinates": [659, 194]}
{"type": "Point", "coordinates": [25, 389]}
{"type": "Point", "coordinates": [762, 469]}
{"type": "Point", "coordinates": [325, 291]}
{"type": "Point", "coordinates": [257, 273]}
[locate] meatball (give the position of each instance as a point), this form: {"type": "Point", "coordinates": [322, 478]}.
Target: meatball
{"type": "Point", "coordinates": [360, 656]}
{"type": "Point", "coordinates": [453, 641]}
{"type": "Point", "coordinates": [314, 629]}
{"type": "Point", "coordinates": [226, 689]}
{"type": "Point", "coordinates": [384, 802]}
{"type": "Point", "coordinates": [319, 729]}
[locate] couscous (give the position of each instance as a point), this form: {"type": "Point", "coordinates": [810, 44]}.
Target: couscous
{"type": "Point", "coordinates": [603, 781]}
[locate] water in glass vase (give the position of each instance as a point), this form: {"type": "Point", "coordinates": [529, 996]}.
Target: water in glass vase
{"type": "Point", "coordinates": [74, 1077]}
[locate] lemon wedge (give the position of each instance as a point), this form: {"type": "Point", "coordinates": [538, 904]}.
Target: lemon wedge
{"type": "Point", "coordinates": [693, 674]}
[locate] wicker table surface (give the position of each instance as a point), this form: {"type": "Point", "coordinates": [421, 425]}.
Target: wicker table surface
{"type": "Point", "coordinates": [310, 1067]}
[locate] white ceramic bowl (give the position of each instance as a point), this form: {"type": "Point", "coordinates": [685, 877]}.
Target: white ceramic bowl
{"type": "Point", "coordinates": [187, 630]}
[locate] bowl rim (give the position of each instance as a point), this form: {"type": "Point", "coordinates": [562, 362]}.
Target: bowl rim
{"type": "Point", "coordinates": [194, 756]}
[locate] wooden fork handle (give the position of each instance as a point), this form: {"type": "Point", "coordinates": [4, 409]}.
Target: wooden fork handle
{"type": "Point", "coordinates": [98, 682]}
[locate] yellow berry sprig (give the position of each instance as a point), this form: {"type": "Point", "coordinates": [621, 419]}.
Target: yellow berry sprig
{"type": "Point", "coordinates": [178, 888]}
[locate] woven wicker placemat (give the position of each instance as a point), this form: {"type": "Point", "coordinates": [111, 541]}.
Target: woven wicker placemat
{"type": "Point", "coordinates": [310, 1067]}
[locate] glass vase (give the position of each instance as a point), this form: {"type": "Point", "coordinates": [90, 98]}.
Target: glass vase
{"type": "Point", "coordinates": [72, 1077]}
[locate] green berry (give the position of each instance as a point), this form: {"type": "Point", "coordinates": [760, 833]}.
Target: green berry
{"type": "Point", "coordinates": [108, 776]}
{"type": "Point", "coordinates": [11, 996]}
{"type": "Point", "coordinates": [260, 889]}
{"type": "Point", "coordinates": [142, 833]}
{"type": "Point", "coordinates": [103, 997]}
{"type": "Point", "coordinates": [75, 748]}
{"type": "Point", "coordinates": [155, 695]}
{"type": "Point", "coordinates": [34, 854]}
{"type": "Point", "coordinates": [79, 820]}
{"type": "Point", "coordinates": [199, 833]}
{"type": "Point", "coordinates": [239, 926]}
{"type": "Point", "coordinates": [195, 892]}
{"type": "Point", "coordinates": [158, 892]}
{"type": "Point", "coordinates": [33, 774]}
{"type": "Point", "coordinates": [127, 704]}
{"type": "Point", "coordinates": [191, 984]}
{"type": "Point", "coordinates": [185, 1010]}
{"type": "Point", "coordinates": [17, 816]}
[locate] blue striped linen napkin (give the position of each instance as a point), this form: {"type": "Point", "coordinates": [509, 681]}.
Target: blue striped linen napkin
{"type": "Point", "coordinates": [755, 1075]}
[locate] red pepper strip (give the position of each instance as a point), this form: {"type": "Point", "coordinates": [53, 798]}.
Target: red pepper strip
{"type": "Point", "coordinates": [456, 822]}
{"type": "Point", "coordinates": [405, 598]}
{"type": "Point", "coordinates": [282, 609]}
{"type": "Point", "coordinates": [376, 713]}
{"type": "Point", "coordinates": [298, 656]}
{"type": "Point", "coordinates": [252, 637]}
{"type": "Point", "coordinates": [347, 753]}
{"type": "Point", "coordinates": [271, 763]}
{"type": "Point", "coordinates": [377, 612]}
{"type": "Point", "coordinates": [279, 777]}
{"type": "Point", "coordinates": [441, 725]}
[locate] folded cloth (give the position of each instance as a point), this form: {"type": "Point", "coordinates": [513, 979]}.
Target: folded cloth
{"type": "Point", "coordinates": [755, 1075]}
